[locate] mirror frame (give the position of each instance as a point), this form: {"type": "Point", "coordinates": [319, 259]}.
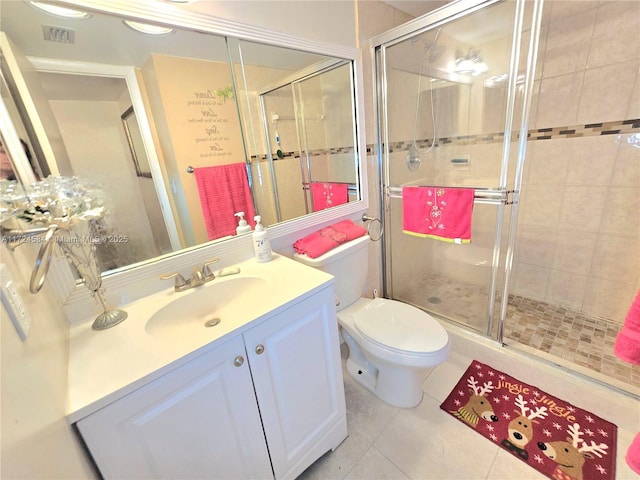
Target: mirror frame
{"type": "Point", "coordinates": [137, 280]}
{"type": "Point", "coordinates": [130, 123]}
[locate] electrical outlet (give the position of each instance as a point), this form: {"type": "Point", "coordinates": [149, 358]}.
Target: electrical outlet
{"type": "Point", "coordinates": [13, 303]}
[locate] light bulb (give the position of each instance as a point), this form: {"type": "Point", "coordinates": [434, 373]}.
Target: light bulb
{"type": "Point", "coordinates": [60, 11]}
{"type": "Point", "coordinates": [147, 28]}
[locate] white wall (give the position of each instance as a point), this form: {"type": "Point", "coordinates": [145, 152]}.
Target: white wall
{"type": "Point", "coordinates": [36, 440]}
{"type": "Point", "coordinates": [326, 21]}
{"type": "Point", "coordinates": [373, 18]}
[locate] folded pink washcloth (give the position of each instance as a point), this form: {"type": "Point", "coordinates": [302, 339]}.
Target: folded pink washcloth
{"type": "Point", "coordinates": [627, 344]}
{"type": "Point", "coordinates": [633, 455]}
{"type": "Point", "coordinates": [320, 242]}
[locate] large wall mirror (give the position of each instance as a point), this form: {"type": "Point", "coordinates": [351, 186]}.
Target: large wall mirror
{"type": "Point", "coordinates": [183, 129]}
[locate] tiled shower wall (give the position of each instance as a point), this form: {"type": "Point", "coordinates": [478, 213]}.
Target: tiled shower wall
{"type": "Point", "coordinates": [579, 225]}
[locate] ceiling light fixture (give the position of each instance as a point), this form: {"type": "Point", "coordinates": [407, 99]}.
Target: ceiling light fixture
{"type": "Point", "coordinates": [60, 11]}
{"type": "Point", "coordinates": [470, 64]}
{"type": "Point", "coordinates": [147, 28]}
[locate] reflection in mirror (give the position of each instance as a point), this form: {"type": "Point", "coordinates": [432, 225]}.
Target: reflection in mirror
{"type": "Point", "coordinates": [304, 113]}
{"type": "Point", "coordinates": [11, 118]}
{"type": "Point", "coordinates": [303, 158]}
{"type": "Point", "coordinates": [12, 146]}
{"type": "Point", "coordinates": [136, 144]}
{"type": "Point", "coordinates": [189, 113]}
{"type": "Point", "coordinates": [6, 168]}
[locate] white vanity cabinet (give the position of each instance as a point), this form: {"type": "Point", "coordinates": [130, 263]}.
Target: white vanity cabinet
{"type": "Point", "coordinates": [200, 420]}
{"type": "Point", "coordinates": [280, 380]}
{"type": "Point", "coordinates": [297, 375]}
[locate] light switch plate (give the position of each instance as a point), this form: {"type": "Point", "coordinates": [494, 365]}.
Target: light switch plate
{"type": "Point", "coordinates": [13, 303]}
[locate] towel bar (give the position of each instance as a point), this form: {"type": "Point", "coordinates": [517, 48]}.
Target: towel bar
{"type": "Point", "coordinates": [487, 196]}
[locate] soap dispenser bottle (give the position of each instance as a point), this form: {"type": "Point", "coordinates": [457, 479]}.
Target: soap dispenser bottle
{"type": "Point", "coordinates": [261, 243]}
{"type": "Point", "coordinates": [243, 226]}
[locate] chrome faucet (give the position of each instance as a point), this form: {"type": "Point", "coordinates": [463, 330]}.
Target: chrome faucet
{"type": "Point", "coordinates": [199, 276]}
{"type": "Point", "coordinates": [181, 284]}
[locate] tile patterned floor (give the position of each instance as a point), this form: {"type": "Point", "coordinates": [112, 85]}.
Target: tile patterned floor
{"type": "Point", "coordinates": [570, 335]}
{"type": "Point", "coordinates": [424, 442]}
{"type": "Point", "coordinates": [561, 332]}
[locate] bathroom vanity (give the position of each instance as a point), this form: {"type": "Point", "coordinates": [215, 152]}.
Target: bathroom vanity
{"type": "Point", "coordinates": [258, 395]}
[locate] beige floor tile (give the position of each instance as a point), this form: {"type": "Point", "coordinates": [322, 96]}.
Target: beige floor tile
{"type": "Point", "coordinates": [424, 442]}
{"type": "Point", "coordinates": [337, 464]}
{"type": "Point", "coordinates": [375, 466]}
{"type": "Point", "coordinates": [508, 467]}
{"type": "Point", "coordinates": [427, 443]}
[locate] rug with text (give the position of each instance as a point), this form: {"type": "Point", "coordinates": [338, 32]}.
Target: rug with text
{"type": "Point", "coordinates": [556, 438]}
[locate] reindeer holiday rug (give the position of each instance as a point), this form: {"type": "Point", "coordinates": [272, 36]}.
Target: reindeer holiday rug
{"type": "Point", "coordinates": [556, 438]}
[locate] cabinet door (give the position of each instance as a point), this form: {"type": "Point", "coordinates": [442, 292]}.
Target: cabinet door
{"type": "Point", "coordinates": [297, 375]}
{"type": "Point", "coordinates": [199, 421]}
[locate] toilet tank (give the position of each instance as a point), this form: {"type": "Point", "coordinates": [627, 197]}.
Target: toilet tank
{"type": "Point", "coordinates": [348, 263]}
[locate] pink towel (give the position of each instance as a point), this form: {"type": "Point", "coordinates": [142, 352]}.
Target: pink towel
{"type": "Point", "coordinates": [326, 195]}
{"type": "Point", "coordinates": [633, 455]}
{"type": "Point", "coordinates": [330, 237]}
{"type": "Point", "coordinates": [627, 344]}
{"type": "Point", "coordinates": [224, 190]}
{"type": "Point", "coordinates": [438, 212]}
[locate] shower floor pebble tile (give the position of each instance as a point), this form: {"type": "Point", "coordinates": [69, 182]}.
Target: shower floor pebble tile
{"type": "Point", "coordinates": [572, 336]}
{"type": "Point", "coordinates": [559, 331]}
{"type": "Point", "coordinates": [424, 442]}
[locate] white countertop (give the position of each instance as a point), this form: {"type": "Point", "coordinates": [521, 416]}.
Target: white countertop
{"type": "Point", "coordinates": [106, 365]}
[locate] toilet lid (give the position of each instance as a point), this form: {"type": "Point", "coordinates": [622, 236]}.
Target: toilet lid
{"type": "Point", "coordinates": [401, 326]}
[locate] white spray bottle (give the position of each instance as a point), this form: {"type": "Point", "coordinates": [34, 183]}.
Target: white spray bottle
{"type": "Point", "coordinates": [243, 226]}
{"type": "Point", "coordinates": [261, 243]}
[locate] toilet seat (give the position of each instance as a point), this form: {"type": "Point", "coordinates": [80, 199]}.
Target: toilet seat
{"type": "Point", "coordinates": [400, 327]}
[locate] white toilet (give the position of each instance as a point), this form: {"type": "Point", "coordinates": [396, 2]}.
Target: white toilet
{"type": "Point", "coordinates": [392, 345]}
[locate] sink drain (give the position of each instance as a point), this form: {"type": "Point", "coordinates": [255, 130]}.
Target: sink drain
{"type": "Point", "coordinates": [212, 323]}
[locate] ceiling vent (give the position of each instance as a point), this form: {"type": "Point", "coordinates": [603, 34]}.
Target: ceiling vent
{"type": "Point", "coordinates": [58, 34]}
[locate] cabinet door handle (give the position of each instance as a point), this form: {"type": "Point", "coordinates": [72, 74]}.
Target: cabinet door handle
{"type": "Point", "coordinates": [238, 361]}
{"type": "Point", "coordinates": [260, 349]}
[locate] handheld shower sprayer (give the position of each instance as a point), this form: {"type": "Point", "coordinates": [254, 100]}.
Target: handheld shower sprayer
{"type": "Point", "coordinates": [414, 160]}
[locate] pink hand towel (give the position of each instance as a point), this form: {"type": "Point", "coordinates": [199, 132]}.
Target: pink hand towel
{"type": "Point", "coordinates": [224, 190]}
{"type": "Point", "coordinates": [438, 212]}
{"type": "Point", "coordinates": [320, 242]}
{"type": "Point", "coordinates": [326, 195]}
{"type": "Point", "coordinates": [627, 344]}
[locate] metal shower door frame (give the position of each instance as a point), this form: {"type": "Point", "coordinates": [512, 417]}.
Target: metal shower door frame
{"type": "Point", "coordinates": [295, 81]}
{"type": "Point", "coordinates": [501, 196]}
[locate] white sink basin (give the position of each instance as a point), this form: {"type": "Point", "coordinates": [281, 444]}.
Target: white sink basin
{"type": "Point", "coordinates": [168, 327]}
{"type": "Point", "coordinates": [227, 300]}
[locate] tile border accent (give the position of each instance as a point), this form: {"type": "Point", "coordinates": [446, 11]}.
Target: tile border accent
{"type": "Point", "coordinates": [312, 153]}
{"type": "Point", "coordinates": [553, 133]}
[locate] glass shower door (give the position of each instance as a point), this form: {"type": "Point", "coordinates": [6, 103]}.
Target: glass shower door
{"type": "Point", "coordinates": [450, 90]}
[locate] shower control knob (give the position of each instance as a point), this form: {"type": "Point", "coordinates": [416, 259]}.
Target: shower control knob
{"type": "Point", "coordinates": [260, 349]}
{"type": "Point", "coordinates": [238, 361]}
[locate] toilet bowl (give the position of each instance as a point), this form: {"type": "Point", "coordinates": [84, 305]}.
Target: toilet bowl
{"type": "Point", "coordinates": [392, 345]}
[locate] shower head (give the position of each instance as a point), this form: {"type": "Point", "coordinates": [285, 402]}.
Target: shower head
{"type": "Point", "coordinates": [414, 162]}
{"type": "Point", "coordinates": [430, 45]}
